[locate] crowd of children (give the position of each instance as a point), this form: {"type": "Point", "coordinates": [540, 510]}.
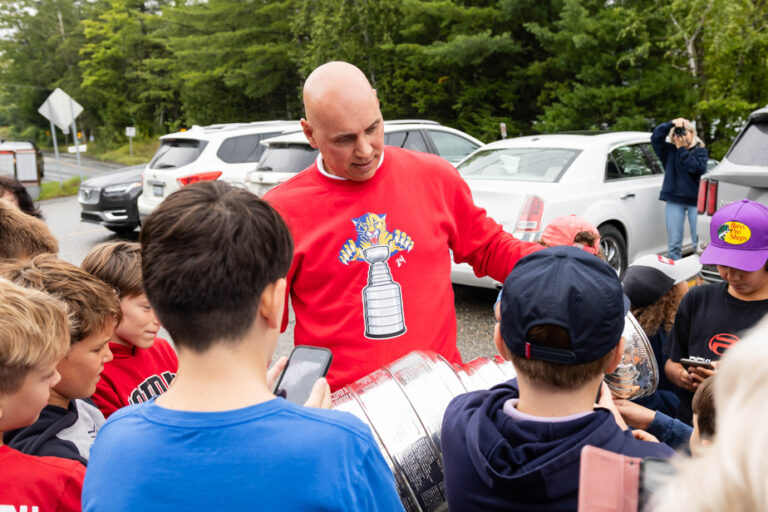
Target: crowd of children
{"type": "Point", "coordinates": [85, 381]}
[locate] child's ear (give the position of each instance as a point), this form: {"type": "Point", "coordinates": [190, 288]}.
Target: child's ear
{"type": "Point", "coordinates": [617, 355]}
{"type": "Point", "coordinates": [499, 342]}
{"type": "Point", "coordinates": [272, 303]}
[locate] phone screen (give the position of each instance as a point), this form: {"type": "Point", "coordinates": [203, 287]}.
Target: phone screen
{"type": "Point", "coordinates": [654, 473]}
{"type": "Point", "coordinates": [305, 366]}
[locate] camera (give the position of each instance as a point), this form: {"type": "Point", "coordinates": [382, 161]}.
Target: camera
{"type": "Point", "coordinates": [679, 131]}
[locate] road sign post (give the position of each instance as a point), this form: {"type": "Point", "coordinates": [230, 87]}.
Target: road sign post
{"type": "Point", "coordinates": [62, 110]}
{"type": "Point", "coordinates": [130, 132]}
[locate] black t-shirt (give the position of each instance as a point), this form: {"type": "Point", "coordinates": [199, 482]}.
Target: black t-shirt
{"type": "Point", "coordinates": [708, 321]}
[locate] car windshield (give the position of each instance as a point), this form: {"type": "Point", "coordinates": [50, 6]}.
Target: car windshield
{"type": "Point", "coordinates": [287, 157]}
{"type": "Point", "coordinates": [176, 153]}
{"type": "Point", "coordinates": [751, 148]}
{"type": "Point", "coordinates": [518, 164]}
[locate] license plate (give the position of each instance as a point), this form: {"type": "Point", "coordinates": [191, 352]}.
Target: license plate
{"type": "Point", "coordinates": [157, 190]}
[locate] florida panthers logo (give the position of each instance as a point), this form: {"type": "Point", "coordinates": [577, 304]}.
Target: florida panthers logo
{"type": "Point", "coordinates": [372, 231]}
{"type": "Point", "coordinates": [382, 297]}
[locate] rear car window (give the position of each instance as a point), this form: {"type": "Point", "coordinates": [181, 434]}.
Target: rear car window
{"type": "Point", "coordinates": [407, 139]}
{"type": "Point", "coordinates": [176, 153]}
{"type": "Point", "coordinates": [280, 157]}
{"type": "Point", "coordinates": [545, 165]}
{"type": "Point", "coordinates": [751, 148]}
{"type": "Point", "coordinates": [451, 147]}
{"type": "Point", "coordinates": [244, 148]}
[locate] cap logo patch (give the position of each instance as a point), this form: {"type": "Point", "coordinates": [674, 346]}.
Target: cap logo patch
{"type": "Point", "coordinates": [734, 233]}
{"type": "Point", "coordinates": [662, 259]}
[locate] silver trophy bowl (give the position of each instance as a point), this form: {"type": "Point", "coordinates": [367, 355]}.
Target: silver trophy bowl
{"type": "Point", "coordinates": [403, 404]}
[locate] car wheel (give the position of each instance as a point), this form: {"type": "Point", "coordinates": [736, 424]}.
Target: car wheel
{"type": "Point", "coordinates": [122, 230]}
{"type": "Point", "coordinates": [614, 247]}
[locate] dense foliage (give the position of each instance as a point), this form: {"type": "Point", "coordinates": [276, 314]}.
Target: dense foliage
{"type": "Point", "coordinates": [536, 65]}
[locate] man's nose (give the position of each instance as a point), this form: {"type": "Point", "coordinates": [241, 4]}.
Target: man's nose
{"type": "Point", "coordinates": [363, 147]}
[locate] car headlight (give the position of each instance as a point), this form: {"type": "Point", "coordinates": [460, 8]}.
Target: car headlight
{"type": "Point", "coordinates": [122, 188]}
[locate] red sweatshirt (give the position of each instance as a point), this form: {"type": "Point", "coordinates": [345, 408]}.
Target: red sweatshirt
{"type": "Point", "coordinates": [39, 483]}
{"type": "Point", "coordinates": [414, 209]}
{"type": "Point", "coordinates": [135, 375]}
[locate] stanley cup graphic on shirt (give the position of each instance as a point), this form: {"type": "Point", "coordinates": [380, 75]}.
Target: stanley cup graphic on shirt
{"type": "Point", "coordinates": [382, 297]}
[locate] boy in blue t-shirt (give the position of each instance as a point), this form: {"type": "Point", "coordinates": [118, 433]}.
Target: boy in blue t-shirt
{"type": "Point", "coordinates": [518, 445]}
{"type": "Point", "coordinates": [214, 259]}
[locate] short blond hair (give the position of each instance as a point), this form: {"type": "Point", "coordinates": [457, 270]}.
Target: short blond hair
{"type": "Point", "coordinates": [119, 265]}
{"type": "Point", "coordinates": [34, 331]}
{"type": "Point", "coordinates": [91, 303]}
{"type": "Point", "coordinates": [23, 236]}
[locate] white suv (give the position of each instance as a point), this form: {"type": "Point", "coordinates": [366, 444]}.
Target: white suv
{"type": "Point", "coordinates": [285, 155]}
{"type": "Point", "coordinates": [221, 151]}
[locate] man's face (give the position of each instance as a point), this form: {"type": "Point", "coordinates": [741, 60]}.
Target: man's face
{"type": "Point", "coordinates": [350, 137]}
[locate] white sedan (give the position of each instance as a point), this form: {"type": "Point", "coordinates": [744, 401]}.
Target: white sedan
{"type": "Point", "coordinates": [612, 179]}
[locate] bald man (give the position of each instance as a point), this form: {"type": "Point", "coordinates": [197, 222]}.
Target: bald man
{"type": "Point", "coordinates": [372, 227]}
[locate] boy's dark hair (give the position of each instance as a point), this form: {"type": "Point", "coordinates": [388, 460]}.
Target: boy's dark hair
{"type": "Point", "coordinates": [119, 265]}
{"type": "Point", "coordinates": [703, 406]}
{"type": "Point", "coordinates": [208, 252]}
{"type": "Point", "coordinates": [26, 204]}
{"type": "Point", "coordinates": [561, 376]}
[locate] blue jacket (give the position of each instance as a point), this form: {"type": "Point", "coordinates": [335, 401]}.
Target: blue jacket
{"type": "Point", "coordinates": [682, 167]}
{"type": "Point", "coordinates": [493, 462]}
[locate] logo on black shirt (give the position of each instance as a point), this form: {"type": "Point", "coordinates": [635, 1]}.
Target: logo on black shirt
{"type": "Point", "coordinates": [719, 343]}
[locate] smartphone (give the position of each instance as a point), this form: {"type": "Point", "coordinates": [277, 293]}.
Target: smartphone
{"type": "Point", "coordinates": [697, 361]}
{"type": "Point", "coordinates": [305, 365]}
{"type": "Point", "coordinates": [654, 472]}
{"type": "Point", "coordinates": [607, 481]}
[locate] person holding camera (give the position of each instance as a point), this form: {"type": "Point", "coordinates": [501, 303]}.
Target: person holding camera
{"type": "Point", "coordinates": [685, 159]}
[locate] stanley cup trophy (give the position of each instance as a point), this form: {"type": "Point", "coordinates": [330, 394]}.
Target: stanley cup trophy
{"type": "Point", "coordinates": [382, 299]}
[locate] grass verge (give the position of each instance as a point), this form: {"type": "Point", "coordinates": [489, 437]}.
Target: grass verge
{"type": "Point", "coordinates": [51, 189]}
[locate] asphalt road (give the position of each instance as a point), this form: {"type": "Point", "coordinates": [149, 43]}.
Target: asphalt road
{"type": "Point", "coordinates": [76, 238]}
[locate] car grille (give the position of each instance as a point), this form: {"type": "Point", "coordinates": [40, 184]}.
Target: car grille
{"type": "Point", "coordinates": [710, 274]}
{"type": "Point", "coordinates": [88, 195]}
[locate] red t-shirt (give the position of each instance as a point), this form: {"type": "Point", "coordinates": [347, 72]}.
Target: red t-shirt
{"type": "Point", "coordinates": [135, 375]}
{"type": "Point", "coordinates": [414, 209]}
{"type": "Point", "coordinates": [39, 483]}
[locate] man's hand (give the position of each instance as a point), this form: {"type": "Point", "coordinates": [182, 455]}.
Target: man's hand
{"type": "Point", "coordinates": [274, 372]}
{"type": "Point", "coordinates": [679, 141]}
{"type": "Point", "coordinates": [634, 414]}
{"type": "Point", "coordinates": [679, 376]}
{"type": "Point", "coordinates": [606, 402]}
{"type": "Point", "coordinates": [320, 397]}
{"type": "Point", "coordinates": [679, 122]}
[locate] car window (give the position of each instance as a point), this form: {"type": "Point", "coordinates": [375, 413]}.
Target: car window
{"type": "Point", "coordinates": [751, 148]}
{"type": "Point", "coordinates": [409, 139]}
{"type": "Point", "coordinates": [281, 157]}
{"type": "Point", "coordinates": [519, 164]}
{"type": "Point", "coordinates": [243, 148]}
{"type": "Point", "coordinates": [451, 147]}
{"type": "Point", "coordinates": [176, 153]}
{"type": "Point", "coordinates": [652, 158]}
{"type": "Point", "coordinates": [627, 162]}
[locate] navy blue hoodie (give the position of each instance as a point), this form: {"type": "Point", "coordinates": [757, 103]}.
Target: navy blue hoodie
{"type": "Point", "coordinates": [494, 462]}
{"type": "Point", "coordinates": [682, 167]}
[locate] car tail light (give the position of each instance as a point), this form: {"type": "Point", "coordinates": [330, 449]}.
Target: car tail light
{"type": "Point", "coordinates": [530, 215]}
{"type": "Point", "coordinates": [711, 197]}
{"type": "Point", "coordinates": [701, 202]}
{"type": "Point", "coordinates": [194, 178]}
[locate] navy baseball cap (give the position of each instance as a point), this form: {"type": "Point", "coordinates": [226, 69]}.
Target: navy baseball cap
{"type": "Point", "coordinates": [570, 288]}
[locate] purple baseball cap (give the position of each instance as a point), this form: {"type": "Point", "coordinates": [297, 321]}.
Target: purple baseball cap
{"type": "Point", "coordinates": [739, 236]}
